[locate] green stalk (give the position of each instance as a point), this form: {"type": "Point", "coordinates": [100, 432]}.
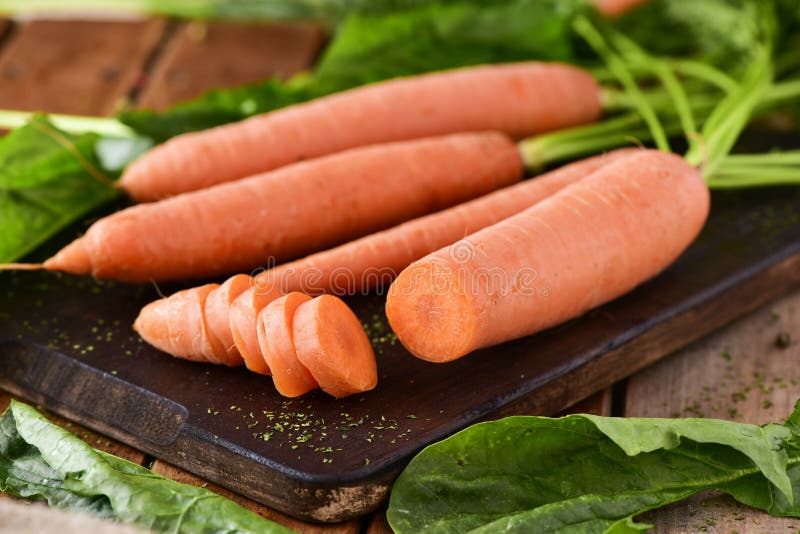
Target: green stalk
{"type": "Point", "coordinates": [635, 54]}
{"type": "Point", "coordinates": [69, 123]}
{"type": "Point", "coordinates": [621, 71]}
{"type": "Point", "coordinates": [705, 72]}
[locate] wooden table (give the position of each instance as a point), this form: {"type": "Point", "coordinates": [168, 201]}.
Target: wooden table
{"type": "Point", "coordinates": [94, 67]}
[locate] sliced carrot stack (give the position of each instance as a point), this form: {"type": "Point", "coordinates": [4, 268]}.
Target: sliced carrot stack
{"type": "Point", "coordinates": [276, 339]}
{"type": "Point", "coordinates": [332, 344]}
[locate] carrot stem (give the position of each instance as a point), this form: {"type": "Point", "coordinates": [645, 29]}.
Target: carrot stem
{"type": "Point", "coordinates": [621, 71]}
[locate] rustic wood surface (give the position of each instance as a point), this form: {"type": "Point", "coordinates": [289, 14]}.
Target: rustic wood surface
{"type": "Point", "coordinates": [745, 372]}
{"type": "Point", "coordinates": [738, 373]}
{"type": "Point", "coordinates": [204, 56]}
{"type": "Point", "coordinates": [80, 67]}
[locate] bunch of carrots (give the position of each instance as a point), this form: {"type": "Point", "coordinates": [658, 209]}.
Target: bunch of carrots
{"type": "Point", "coordinates": [393, 176]}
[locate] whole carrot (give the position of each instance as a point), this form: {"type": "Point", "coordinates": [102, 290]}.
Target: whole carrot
{"type": "Point", "coordinates": [345, 269]}
{"type": "Point", "coordinates": [292, 211]}
{"type": "Point", "coordinates": [586, 245]}
{"type": "Point", "coordinates": [519, 99]}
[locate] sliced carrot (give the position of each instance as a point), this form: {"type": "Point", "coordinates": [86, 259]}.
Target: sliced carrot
{"type": "Point", "coordinates": [519, 99]}
{"type": "Point", "coordinates": [586, 245]}
{"type": "Point", "coordinates": [291, 212]}
{"type": "Point", "coordinates": [242, 320]}
{"type": "Point", "coordinates": [276, 339]}
{"type": "Point", "coordinates": [217, 313]}
{"type": "Point", "coordinates": [331, 343]}
{"type": "Point", "coordinates": [177, 325]}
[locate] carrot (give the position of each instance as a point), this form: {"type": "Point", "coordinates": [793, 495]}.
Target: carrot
{"type": "Point", "coordinates": [217, 310]}
{"type": "Point", "coordinates": [518, 99]}
{"type": "Point", "coordinates": [331, 343]}
{"type": "Point", "coordinates": [370, 261]}
{"type": "Point", "coordinates": [616, 8]}
{"type": "Point", "coordinates": [584, 246]}
{"type": "Point", "coordinates": [291, 211]}
{"type": "Point", "coordinates": [376, 259]}
{"type": "Point", "coordinates": [242, 321]}
{"type": "Point", "coordinates": [178, 325]}
{"type": "Point", "coordinates": [276, 339]}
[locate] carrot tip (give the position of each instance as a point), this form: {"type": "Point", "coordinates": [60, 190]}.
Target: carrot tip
{"type": "Point", "coordinates": [21, 266]}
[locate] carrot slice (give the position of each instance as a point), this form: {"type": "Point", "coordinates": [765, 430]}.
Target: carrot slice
{"type": "Point", "coordinates": [177, 325]}
{"type": "Point", "coordinates": [217, 311]}
{"type": "Point", "coordinates": [331, 343]}
{"type": "Point", "coordinates": [276, 339]}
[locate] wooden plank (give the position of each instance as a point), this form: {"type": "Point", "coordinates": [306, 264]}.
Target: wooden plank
{"type": "Point", "coordinates": [79, 67]}
{"type": "Point", "coordinates": [743, 373]}
{"type": "Point", "coordinates": [204, 56]}
{"type": "Point", "coordinates": [98, 441]}
{"type": "Point", "coordinates": [175, 473]}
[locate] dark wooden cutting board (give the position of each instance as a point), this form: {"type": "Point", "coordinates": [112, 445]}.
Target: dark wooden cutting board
{"type": "Point", "coordinates": [67, 343]}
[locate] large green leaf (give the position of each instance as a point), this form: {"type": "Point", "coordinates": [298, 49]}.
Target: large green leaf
{"type": "Point", "coordinates": [48, 179]}
{"type": "Point", "coordinates": [590, 474]}
{"type": "Point", "coordinates": [41, 460]}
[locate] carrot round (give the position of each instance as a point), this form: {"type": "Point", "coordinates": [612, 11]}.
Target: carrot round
{"type": "Point", "coordinates": [242, 320]}
{"type": "Point", "coordinates": [365, 263]}
{"type": "Point", "coordinates": [584, 246]}
{"type": "Point", "coordinates": [276, 339]}
{"type": "Point", "coordinates": [292, 211]}
{"type": "Point", "coordinates": [331, 343]}
{"type": "Point", "coordinates": [178, 325]}
{"type": "Point", "coordinates": [217, 311]}
{"type": "Point", "coordinates": [519, 99]}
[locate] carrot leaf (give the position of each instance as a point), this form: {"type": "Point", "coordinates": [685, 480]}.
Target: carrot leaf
{"type": "Point", "coordinates": [586, 473]}
{"type": "Point", "coordinates": [40, 460]}
{"type": "Point", "coordinates": [50, 178]}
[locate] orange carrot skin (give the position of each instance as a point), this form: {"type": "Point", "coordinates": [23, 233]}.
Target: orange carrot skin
{"type": "Point", "coordinates": [331, 343]}
{"type": "Point", "coordinates": [292, 211]}
{"type": "Point", "coordinates": [616, 8]}
{"type": "Point", "coordinates": [177, 325]}
{"type": "Point", "coordinates": [217, 311]}
{"type": "Point", "coordinates": [346, 269]}
{"type": "Point", "coordinates": [383, 254]}
{"type": "Point", "coordinates": [376, 259]}
{"type": "Point", "coordinates": [276, 339]}
{"type": "Point", "coordinates": [519, 99]}
{"type": "Point", "coordinates": [586, 245]}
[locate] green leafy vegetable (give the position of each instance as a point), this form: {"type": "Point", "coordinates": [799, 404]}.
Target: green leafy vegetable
{"type": "Point", "coordinates": [48, 179]}
{"type": "Point", "coordinates": [584, 473]}
{"type": "Point", "coordinates": [41, 460]}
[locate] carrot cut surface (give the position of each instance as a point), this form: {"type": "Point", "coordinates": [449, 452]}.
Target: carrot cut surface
{"type": "Point", "coordinates": [276, 339]}
{"type": "Point", "coordinates": [332, 344]}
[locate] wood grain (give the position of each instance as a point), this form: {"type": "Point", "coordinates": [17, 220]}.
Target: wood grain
{"type": "Point", "coordinates": [175, 473]}
{"type": "Point", "coordinates": [98, 441]}
{"type": "Point", "coordinates": [78, 67]}
{"type": "Point", "coordinates": [742, 373]}
{"type": "Point", "coordinates": [205, 56]}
